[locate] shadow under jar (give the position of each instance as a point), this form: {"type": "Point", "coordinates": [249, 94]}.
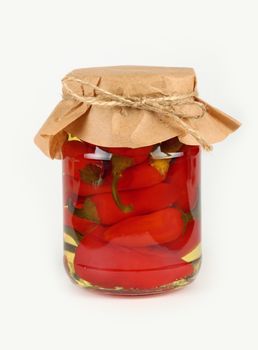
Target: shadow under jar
{"type": "Point", "coordinates": [131, 216]}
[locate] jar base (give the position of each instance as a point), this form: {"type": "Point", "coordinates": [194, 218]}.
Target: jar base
{"type": "Point", "coordinates": [120, 291]}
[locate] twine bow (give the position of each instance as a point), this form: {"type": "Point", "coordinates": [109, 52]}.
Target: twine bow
{"type": "Point", "coordinates": [163, 106]}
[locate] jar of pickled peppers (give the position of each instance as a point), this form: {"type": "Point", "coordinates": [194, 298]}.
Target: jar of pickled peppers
{"type": "Point", "coordinates": [131, 180]}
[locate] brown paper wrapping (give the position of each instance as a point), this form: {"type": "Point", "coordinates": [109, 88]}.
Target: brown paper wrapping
{"type": "Point", "coordinates": [125, 126]}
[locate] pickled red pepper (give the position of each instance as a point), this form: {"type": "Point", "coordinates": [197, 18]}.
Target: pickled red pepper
{"type": "Point", "coordinates": [139, 231]}
{"type": "Point", "coordinates": [110, 266]}
{"type": "Point", "coordinates": [101, 208]}
{"type": "Point", "coordinates": [188, 241]}
{"type": "Point", "coordinates": [133, 178]}
{"type": "Point", "coordinates": [121, 160]}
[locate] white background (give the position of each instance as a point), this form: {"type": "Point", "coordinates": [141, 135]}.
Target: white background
{"type": "Point", "coordinates": [40, 42]}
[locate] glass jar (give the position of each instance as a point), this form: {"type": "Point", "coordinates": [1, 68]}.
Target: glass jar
{"type": "Point", "coordinates": [131, 216]}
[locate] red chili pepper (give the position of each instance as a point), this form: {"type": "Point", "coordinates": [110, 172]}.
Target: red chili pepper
{"type": "Point", "coordinates": [186, 242]}
{"type": "Point", "coordinates": [146, 174]}
{"type": "Point", "coordinates": [102, 209]}
{"type": "Point", "coordinates": [123, 158]}
{"type": "Point", "coordinates": [119, 165]}
{"type": "Point", "coordinates": [110, 266]}
{"type": "Point", "coordinates": [139, 231]}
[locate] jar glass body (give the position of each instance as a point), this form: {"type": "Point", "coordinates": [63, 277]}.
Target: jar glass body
{"type": "Point", "coordinates": [131, 216]}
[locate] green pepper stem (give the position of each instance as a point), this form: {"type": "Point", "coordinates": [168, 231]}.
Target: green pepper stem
{"type": "Point", "coordinates": [125, 208]}
{"type": "Point", "coordinates": [88, 211]}
{"type": "Point", "coordinates": [187, 217]}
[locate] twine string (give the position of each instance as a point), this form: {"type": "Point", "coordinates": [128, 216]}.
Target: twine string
{"type": "Point", "coordinates": [165, 106]}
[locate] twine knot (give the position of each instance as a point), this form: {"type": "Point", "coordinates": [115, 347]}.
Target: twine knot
{"type": "Point", "coordinates": [165, 106]}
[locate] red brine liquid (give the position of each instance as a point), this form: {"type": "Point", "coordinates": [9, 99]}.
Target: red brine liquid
{"type": "Point", "coordinates": [131, 216]}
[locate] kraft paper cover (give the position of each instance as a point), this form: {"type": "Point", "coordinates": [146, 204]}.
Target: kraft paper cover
{"type": "Point", "coordinates": [125, 126]}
